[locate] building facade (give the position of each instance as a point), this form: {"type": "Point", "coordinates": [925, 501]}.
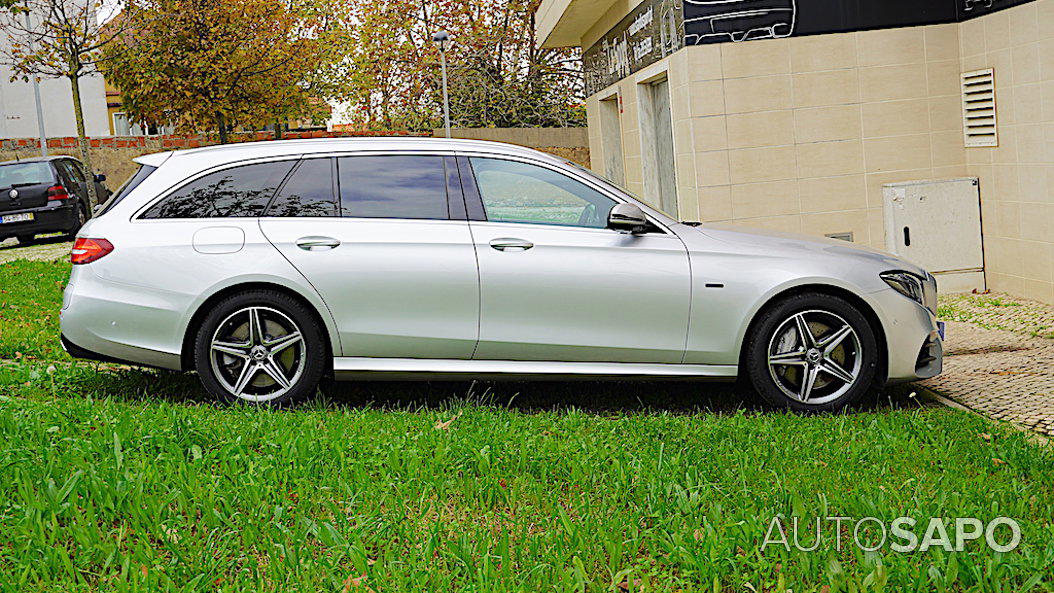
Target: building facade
{"type": "Point", "coordinates": [18, 111]}
{"type": "Point", "coordinates": [828, 116]}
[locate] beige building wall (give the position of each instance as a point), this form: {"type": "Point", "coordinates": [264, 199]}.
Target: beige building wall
{"type": "Point", "coordinates": [1017, 177]}
{"type": "Point", "coordinates": [800, 134]}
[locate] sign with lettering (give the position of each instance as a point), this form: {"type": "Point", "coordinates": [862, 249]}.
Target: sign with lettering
{"type": "Point", "coordinates": [657, 28]}
{"type": "Point", "coordinates": [651, 32]}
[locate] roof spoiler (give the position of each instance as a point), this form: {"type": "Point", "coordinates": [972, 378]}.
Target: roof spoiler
{"type": "Point", "coordinates": [153, 160]}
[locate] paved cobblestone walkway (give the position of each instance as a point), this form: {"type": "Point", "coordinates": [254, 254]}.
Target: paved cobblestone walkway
{"type": "Point", "coordinates": [44, 249]}
{"type": "Point", "coordinates": [999, 359]}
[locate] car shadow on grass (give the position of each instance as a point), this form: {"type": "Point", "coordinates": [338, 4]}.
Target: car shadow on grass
{"type": "Point", "coordinates": [600, 397]}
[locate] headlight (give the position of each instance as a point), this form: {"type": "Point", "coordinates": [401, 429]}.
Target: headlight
{"type": "Point", "coordinates": [907, 284]}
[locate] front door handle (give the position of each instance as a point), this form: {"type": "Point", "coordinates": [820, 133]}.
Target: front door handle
{"type": "Point", "coordinates": [317, 243]}
{"type": "Point", "coordinates": [509, 244]}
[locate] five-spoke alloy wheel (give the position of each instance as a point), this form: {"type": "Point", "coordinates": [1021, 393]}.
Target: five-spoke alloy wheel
{"type": "Point", "coordinates": [812, 352]}
{"type": "Point", "coordinates": [261, 347]}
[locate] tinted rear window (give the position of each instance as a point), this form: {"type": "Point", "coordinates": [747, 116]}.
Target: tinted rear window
{"type": "Point", "coordinates": [308, 192]}
{"type": "Point", "coordinates": [19, 174]}
{"type": "Point", "coordinates": [393, 187]}
{"type": "Point", "coordinates": [238, 192]}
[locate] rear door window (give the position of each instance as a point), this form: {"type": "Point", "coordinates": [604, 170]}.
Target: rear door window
{"type": "Point", "coordinates": [237, 192]}
{"type": "Point", "coordinates": [393, 186]}
{"type": "Point", "coordinates": [309, 191]}
{"type": "Point", "coordinates": [73, 170]}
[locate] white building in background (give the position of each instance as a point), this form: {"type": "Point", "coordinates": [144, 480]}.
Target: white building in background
{"type": "Point", "coordinates": [18, 113]}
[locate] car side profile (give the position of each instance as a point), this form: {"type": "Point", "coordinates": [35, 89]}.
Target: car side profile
{"type": "Point", "coordinates": [45, 195]}
{"type": "Point", "coordinates": [267, 266]}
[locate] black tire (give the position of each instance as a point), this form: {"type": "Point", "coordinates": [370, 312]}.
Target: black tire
{"type": "Point", "coordinates": [785, 383]}
{"type": "Point", "coordinates": [26, 239]}
{"type": "Point", "coordinates": [302, 363]}
{"type": "Point", "coordinates": [79, 218]}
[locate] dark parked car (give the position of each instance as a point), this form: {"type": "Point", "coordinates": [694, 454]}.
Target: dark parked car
{"type": "Point", "coordinates": [45, 195]}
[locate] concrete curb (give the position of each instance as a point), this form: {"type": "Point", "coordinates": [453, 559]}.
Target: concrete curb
{"type": "Point", "coordinates": [941, 399]}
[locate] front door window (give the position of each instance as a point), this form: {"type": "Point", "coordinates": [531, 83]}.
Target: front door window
{"type": "Point", "coordinates": [512, 191]}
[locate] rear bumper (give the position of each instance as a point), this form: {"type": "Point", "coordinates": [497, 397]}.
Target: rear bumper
{"type": "Point", "coordinates": [47, 219]}
{"type": "Point", "coordinates": [108, 321]}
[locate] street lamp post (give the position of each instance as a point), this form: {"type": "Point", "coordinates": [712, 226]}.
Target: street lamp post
{"type": "Point", "coordinates": [442, 38]}
{"type": "Point", "coordinates": [36, 97]}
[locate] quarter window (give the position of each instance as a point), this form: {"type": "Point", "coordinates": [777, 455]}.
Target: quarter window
{"type": "Point", "coordinates": [519, 192]}
{"type": "Point", "coordinates": [308, 192]}
{"type": "Point", "coordinates": [393, 186]}
{"type": "Point", "coordinates": [237, 192]}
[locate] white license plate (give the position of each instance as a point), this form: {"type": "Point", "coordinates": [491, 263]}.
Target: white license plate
{"type": "Point", "coordinates": [24, 217]}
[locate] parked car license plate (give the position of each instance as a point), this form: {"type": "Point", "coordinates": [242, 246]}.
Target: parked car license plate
{"type": "Point", "coordinates": [24, 217]}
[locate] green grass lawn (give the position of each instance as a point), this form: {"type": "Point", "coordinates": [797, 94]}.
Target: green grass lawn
{"type": "Point", "coordinates": [115, 479]}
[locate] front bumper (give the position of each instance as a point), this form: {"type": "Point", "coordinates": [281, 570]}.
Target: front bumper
{"type": "Point", "coordinates": [915, 349]}
{"type": "Point", "coordinates": [46, 219]}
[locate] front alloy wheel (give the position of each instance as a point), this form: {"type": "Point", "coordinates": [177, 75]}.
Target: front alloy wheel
{"type": "Point", "coordinates": [260, 347]}
{"type": "Point", "coordinates": [812, 352]}
{"type": "Point", "coordinates": [814, 357]}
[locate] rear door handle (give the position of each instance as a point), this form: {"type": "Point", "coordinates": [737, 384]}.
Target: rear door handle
{"type": "Point", "coordinates": [509, 244]}
{"type": "Point", "coordinates": [317, 243]}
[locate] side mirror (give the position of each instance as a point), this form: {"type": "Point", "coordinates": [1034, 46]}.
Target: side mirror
{"type": "Point", "coordinates": [628, 218]}
{"type": "Point", "coordinates": [99, 178]}
{"type": "Point", "coordinates": [95, 210]}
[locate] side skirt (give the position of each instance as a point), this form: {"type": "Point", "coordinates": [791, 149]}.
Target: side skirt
{"type": "Point", "coordinates": [424, 368]}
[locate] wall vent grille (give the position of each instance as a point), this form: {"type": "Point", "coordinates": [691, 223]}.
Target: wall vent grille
{"type": "Point", "coordinates": [979, 125]}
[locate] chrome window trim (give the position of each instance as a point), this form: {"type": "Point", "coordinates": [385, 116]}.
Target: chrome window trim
{"type": "Point", "coordinates": [618, 197]}
{"type": "Point", "coordinates": [136, 216]}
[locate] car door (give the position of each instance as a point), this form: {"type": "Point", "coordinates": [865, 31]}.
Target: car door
{"type": "Point", "coordinates": [396, 268]}
{"type": "Point", "coordinates": [557, 284]}
{"type": "Point", "coordinates": [73, 178]}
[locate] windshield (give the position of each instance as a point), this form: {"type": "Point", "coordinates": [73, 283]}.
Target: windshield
{"type": "Point", "coordinates": [133, 182]}
{"type": "Point", "coordinates": [19, 174]}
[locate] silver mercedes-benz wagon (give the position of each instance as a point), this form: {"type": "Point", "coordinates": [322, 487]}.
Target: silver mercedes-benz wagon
{"type": "Point", "coordinates": [266, 266]}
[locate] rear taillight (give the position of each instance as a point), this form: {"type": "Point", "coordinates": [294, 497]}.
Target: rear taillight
{"type": "Point", "coordinates": [86, 251]}
{"type": "Point", "coordinates": [57, 192]}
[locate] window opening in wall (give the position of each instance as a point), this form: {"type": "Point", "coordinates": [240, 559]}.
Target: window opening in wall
{"type": "Point", "coordinates": [660, 182]}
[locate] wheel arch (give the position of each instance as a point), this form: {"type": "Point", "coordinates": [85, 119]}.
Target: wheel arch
{"type": "Point", "coordinates": [187, 344]}
{"type": "Point", "coordinates": [829, 289]}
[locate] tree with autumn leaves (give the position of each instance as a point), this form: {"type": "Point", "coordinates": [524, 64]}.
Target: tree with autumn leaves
{"type": "Point", "coordinates": [389, 74]}
{"type": "Point", "coordinates": [204, 65]}
{"type": "Point", "coordinates": [57, 39]}
{"type": "Point", "coordinates": [207, 65]}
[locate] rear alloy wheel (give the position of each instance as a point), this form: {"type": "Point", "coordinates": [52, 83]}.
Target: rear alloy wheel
{"type": "Point", "coordinates": [812, 352]}
{"type": "Point", "coordinates": [260, 347]}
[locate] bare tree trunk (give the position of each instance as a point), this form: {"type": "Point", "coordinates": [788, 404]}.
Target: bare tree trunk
{"type": "Point", "coordinates": [277, 129]}
{"type": "Point", "coordinates": [82, 140]}
{"type": "Point", "coordinates": [221, 125]}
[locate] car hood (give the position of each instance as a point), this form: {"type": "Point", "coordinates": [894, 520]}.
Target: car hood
{"type": "Point", "coordinates": [777, 242]}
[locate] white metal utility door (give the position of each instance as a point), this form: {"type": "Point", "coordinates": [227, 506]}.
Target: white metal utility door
{"type": "Point", "coordinates": [937, 225]}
